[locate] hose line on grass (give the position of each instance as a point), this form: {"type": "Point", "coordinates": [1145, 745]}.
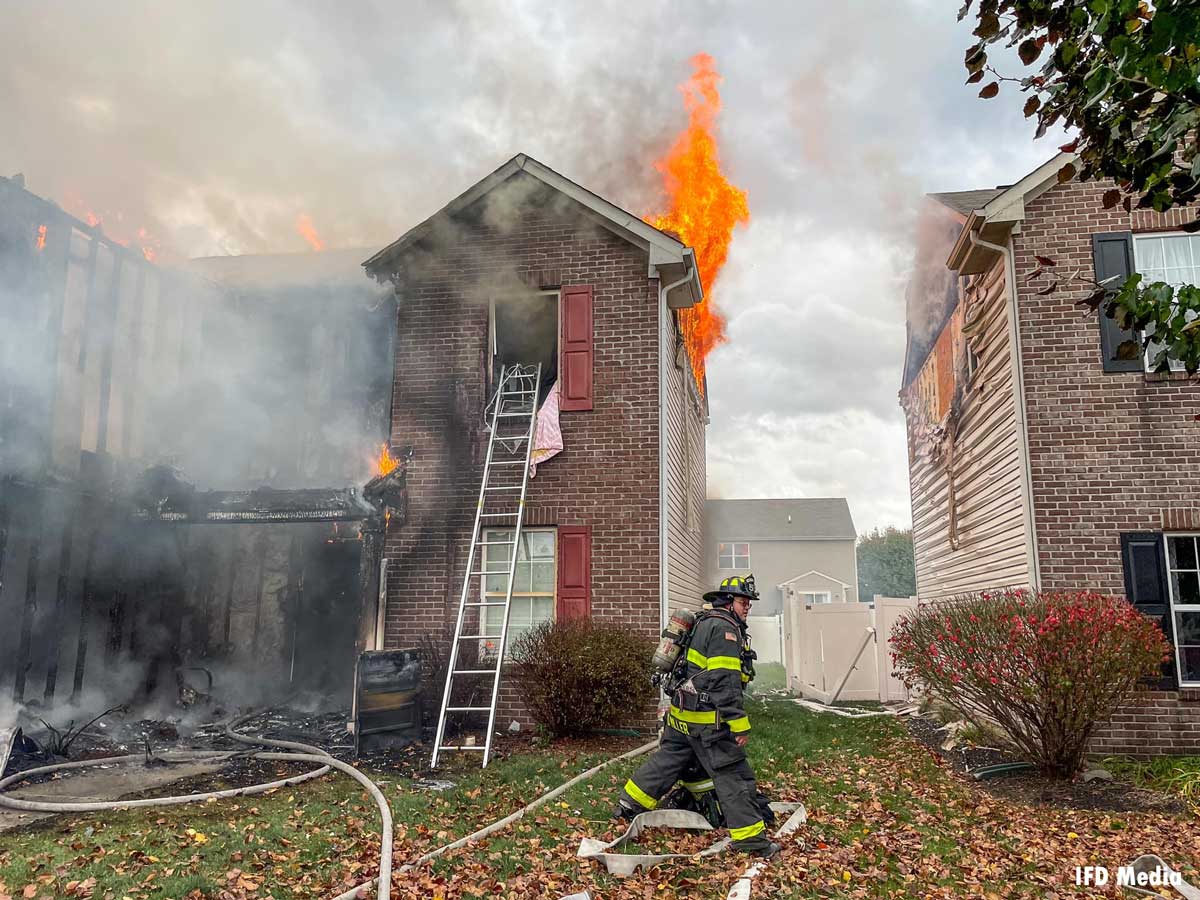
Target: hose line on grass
{"type": "Point", "coordinates": [355, 893]}
{"type": "Point", "coordinates": [301, 753]}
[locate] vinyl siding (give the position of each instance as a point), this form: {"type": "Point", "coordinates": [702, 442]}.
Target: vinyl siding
{"type": "Point", "coordinates": [685, 434]}
{"type": "Point", "coordinates": [991, 532]}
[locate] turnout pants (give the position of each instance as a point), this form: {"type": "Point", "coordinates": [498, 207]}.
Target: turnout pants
{"type": "Point", "coordinates": [714, 747]}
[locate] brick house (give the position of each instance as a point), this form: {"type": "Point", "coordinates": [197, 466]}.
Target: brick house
{"type": "Point", "coordinates": [1037, 457]}
{"type": "Point", "coordinates": [528, 266]}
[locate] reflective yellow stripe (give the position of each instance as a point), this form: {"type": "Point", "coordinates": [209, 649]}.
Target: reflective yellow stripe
{"type": "Point", "coordinates": [696, 718]}
{"type": "Point", "coordinates": [739, 725]}
{"type": "Point", "coordinates": [699, 786]}
{"type": "Point", "coordinates": [723, 662]}
{"type": "Point", "coordinates": [740, 834]}
{"type": "Point", "coordinates": [641, 796]}
{"type": "Point", "coordinates": [697, 658]}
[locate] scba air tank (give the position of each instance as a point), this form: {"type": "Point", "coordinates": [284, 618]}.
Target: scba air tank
{"type": "Point", "coordinates": [678, 628]}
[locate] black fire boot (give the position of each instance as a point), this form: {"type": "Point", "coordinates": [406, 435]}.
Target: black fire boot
{"type": "Point", "coordinates": [766, 850]}
{"type": "Point", "coordinates": [624, 813]}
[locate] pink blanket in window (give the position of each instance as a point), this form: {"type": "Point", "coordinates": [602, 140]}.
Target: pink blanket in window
{"type": "Point", "coordinates": [547, 436]}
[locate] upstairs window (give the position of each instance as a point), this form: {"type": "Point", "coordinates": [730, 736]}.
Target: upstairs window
{"type": "Point", "coordinates": [1170, 258]}
{"type": "Point", "coordinates": [523, 330]}
{"type": "Point", "coordinates": [733, 556]}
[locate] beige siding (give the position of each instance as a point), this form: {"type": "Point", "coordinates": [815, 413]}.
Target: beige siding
{"type": "Point", "coordinates": [685, 435]}
{"type": "Point", "coordinates": [971, 452]}
{"type": "Point", "coordinates": [774, 563]}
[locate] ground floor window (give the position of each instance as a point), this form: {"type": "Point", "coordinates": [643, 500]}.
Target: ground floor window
{"type": "Point", "coordinates": [1183, 585]}
{"type": "Point", "coordinates": [816, 597]}
{"type": "Point", "coordinates": [533, 594]}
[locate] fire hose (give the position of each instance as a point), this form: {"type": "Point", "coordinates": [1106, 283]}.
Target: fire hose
{"type": "Point", "coordinates": [301, 753]}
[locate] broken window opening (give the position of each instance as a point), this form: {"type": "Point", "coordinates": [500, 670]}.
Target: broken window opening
{"type": "Point", "coordinates": [523, 330]}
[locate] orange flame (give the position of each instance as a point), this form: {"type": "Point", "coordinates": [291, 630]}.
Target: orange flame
{"type": "Point", "coordinates": [41, 237]}
{"type": "Point", "coordinates": [308, 231]}
{"type": "Point", "coordinates": [703, 206]}
{"type": "Point", "coordinates": [384, 462]}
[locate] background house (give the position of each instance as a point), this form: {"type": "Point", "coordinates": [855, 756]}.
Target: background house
{"type": "Point", "coordinates": [805, 545]}
{"type": "Point", "coordinates": [1038, 458]}
{"type": "Point", "coordinates": [527, 266]}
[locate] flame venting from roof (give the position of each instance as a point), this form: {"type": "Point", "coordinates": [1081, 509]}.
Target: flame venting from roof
{"type": "Point", "coordinates": [307, 230]}
{"type": "Point", "coordinates": [703, 206]}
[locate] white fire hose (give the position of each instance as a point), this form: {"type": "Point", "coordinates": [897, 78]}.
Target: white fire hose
{"type": "Point", "coordinates": [306, 753]}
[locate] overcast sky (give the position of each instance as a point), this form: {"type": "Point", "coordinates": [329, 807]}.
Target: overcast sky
{"type": "Point", "coordinates": [215, 125]}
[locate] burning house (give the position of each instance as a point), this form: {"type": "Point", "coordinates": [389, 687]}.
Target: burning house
{"type": "Point", "coordinates": [177, 450]}
{"type": "Point", "coordinates": [528, 267]}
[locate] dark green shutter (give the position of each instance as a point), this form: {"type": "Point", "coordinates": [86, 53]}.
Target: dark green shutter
{"type": "Point", "coordinates": [1112, 255]}
{"type": "Point", "coordinates": [1146, 587]}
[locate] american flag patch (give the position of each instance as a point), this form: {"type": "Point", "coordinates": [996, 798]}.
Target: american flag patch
{"type": "Point", "coordinates": [730, 636]}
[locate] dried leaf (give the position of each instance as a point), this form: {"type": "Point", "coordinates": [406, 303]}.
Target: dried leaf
{"type": "Point", "coordinates": [1129, 350]}
{"type": "Point", "coordinates": [1032, 105]}
{"type": "Point", "coordinates": [990, 90]}
{"type": "Point", "coordinates": [1066, 173]}
{"type": "Point", "coordinates": [1111, 198]}
{"type": "Point", "coordinates": [1045, 261]}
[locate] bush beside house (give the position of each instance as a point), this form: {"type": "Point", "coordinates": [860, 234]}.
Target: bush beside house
{"type": "Point", "coordinates": [1047, 668]}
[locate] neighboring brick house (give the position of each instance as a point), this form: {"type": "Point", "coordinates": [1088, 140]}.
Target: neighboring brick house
{"type": "Point", "coordinates": [802, 546]}
{"type": "Point", "coordinates": [1037, 457]}
{"type": "Point", "coordinates": [519, 265]}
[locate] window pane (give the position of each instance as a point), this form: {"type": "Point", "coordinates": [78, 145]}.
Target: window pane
{"type": "Point", "coordinates": [1177, 253]}
{"type": "Point", "coordinates": [1182, 552]}
{"type": "Point", "coordinates": [540, 545]}
{"type": "Point", "coordinates": [1187, 638]}
{"type": "Point", "coordinates": [541, 610]}
{"type": "Point", "coordinates": [1187, 588]}
{"type": "Point", "coordinates": [725, 561]}
{"type": "Point", "coordinates": [1149, 254]}
{"type": "Point", "coordinates": [742, 550]}
{"type": "Point", "coordinates": [543, 577]}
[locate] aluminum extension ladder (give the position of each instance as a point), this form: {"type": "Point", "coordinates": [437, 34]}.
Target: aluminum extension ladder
{"type": "Point", "coordinates": [515, 400]}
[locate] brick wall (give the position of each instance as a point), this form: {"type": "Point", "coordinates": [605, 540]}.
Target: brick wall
{"type": "Point", "coordinates": [607, 477]}
{"type": "Point", "coordinates": [1109, 452]}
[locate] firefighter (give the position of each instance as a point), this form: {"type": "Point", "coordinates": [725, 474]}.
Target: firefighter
{"type": "Point", "coordinates": [707, 722]}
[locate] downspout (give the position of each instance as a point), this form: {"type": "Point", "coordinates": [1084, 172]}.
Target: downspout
{"type": "Point", "coordinates": [663, 599]}
{"type": "Point", "coordinates": [1014, 343]}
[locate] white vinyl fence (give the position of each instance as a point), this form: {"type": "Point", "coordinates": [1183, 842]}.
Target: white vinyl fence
{"type": "Point", "coordinates": [839, 651]}
{"type": "Point", "coordinates": [766, 636]}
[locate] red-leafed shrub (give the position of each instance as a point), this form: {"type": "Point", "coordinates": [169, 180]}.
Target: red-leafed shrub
{"type": "Point", "coordinates": [1047, 668]}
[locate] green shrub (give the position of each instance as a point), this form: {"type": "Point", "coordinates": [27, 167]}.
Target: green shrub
{"type": "Point", "coordinates": [1047, 668]}
{"type": "Point", "coordinates": [577, 676]}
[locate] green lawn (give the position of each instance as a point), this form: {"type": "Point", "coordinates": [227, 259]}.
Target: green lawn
{"type": "Point", "coordinates": [885, 820]}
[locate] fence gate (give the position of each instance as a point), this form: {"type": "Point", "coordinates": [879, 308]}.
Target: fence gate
{"type": "Point", "coordinates": [839, 651]}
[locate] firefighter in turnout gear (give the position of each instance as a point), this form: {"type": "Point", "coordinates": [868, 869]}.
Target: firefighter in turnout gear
{"type": "Point", "coordinates": [707, 721]}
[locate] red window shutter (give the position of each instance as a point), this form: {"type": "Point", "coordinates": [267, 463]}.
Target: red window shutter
{"type": "Point", "coordinates": [575, 349]}
{"type": "Point", "coordinates": [574, 572]}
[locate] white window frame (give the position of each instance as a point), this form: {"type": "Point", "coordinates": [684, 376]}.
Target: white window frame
{"type": "Point", "coordinates": [1141, 240]}
{"type": "Point", "coordinates": [493, 337]}
{"type": "Point", "coordinates": [810, 598]}
{"type": "Point", "coordinates": [488, 646]}
{"type": "Point", "coordinates": [733, 556]}
{"type": "Point", "coordinates": [1174, 607]}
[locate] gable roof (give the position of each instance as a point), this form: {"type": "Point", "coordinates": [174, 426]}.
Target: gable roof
{"type": "Point", "coordinates": [675, 259]}
{"type": "Point", "coordinates": [966, 202]}
{"type": "Point", "coordinates": [800, 519]}
{"type": "Point", "coordinates": [815, 572]}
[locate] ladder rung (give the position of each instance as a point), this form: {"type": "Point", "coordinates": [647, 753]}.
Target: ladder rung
{"type": "Point", "coordinates": [497, 603]}
{"type": "Point", "coordinates": [468, 709]}
{"type": "Point", "coordinates": [508, 462]}
{"type": "Point", "coordinates": [506, 487]}
{"type": "Point", "coordinates": [460, 747]}
{"type": "Point", "coordinates": [514, 415]}
{"type": "Point", "coordinates": [494, 543]}
{"type": "Point", "coordinates": [498, 515]}
{"type": "Point", "coordinates": [512, 437]}
{"type": "Point", "coordinates": [479, 637]}
{"type": "Point", "coordinates": [504, 572]}
{"type": "Point", "coordinates": [474, 671]}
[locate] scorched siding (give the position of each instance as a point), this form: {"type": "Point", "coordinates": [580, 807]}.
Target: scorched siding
{"type": "Point", "coordinates": [989, 547]}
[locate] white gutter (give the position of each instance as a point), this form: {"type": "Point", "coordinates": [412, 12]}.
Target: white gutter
{"type": "Point", "coordinates": [1014, 344]}
{"type": "Point", "coordinates": [663, 598]}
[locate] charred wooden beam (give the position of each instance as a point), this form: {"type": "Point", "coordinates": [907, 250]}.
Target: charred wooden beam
{"type": "Point", "coordinates": [265, 506]}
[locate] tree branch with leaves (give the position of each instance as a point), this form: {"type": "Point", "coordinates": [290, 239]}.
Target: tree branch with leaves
{"type": "Point", "coordinates": [1124, 77]}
